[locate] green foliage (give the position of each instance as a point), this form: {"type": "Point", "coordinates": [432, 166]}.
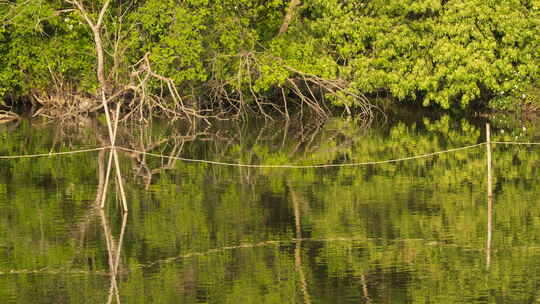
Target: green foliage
{"type": "Point", "coordinates": [446, 52]}
{"type": "Point", "coordinates": [449, 53]}
{"type": "Point", "coordinates": [172, 35]}
{"type": "Point", "coordinates": [39, 48]}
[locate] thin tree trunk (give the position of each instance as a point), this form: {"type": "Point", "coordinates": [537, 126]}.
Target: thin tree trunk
{"type": "Point", "coordinates": [100, 61]}
{"type": "Point", "coordinates": [289, 16]}
{"type": "Point", "coordinates": [96, 31]}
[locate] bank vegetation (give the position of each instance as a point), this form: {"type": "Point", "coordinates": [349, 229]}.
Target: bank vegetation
{"type": "Point", "coordinates": [231, 58]}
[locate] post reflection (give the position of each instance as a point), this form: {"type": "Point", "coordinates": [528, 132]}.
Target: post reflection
{"type": "Point", "coordinates": [295, 197]}
{"type": "Point", "coordinates": [489, 230]}
{"type": "Point", "coordinates": [114, 250]}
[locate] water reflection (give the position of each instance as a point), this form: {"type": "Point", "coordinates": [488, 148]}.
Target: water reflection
{"type": "Point", "coordinates": [417, 231]}
{"type": "Point", "coordinates": [296, 200]}
{"type": "Point", "coordinates": [114, 250]}
{"type": "Point", "coordinates": [365, 289]}
{"type": "Point", "coordinates": [489, 230]}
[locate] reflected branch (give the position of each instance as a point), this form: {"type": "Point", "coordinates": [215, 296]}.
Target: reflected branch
{"type": "Point", "coordinates": [365, 289]}
{"type": "Point", "coordinates": [101, 177]}
{"type": "Point", "coordinates": [143, 143]}
{"type": "Point", "coordinates": [114, 252]}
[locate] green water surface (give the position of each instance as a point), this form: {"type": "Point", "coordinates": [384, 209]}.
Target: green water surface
{"type": "Point", "coordinates": [407, 232]}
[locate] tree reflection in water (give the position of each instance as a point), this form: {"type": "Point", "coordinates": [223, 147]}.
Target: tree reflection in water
{"type": "Point", "coordinates": [392, 233]}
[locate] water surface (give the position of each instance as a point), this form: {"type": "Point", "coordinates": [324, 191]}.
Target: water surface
{"type": "Point", "coordinates": [407, 232]}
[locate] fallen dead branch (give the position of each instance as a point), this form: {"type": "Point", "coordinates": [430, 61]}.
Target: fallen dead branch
{"type": "Point", "coordinates": [8, 116]}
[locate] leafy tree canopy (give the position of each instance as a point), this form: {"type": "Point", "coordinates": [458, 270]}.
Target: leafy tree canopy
{"type": "Point", "coordinates": [451, 53]}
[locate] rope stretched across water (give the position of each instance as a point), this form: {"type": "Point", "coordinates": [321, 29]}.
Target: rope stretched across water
{"type": "Point", "coordinates": [265, 166]}
{"type": "Point", "coordinates": [302, 166]}
{"type": "Point", "coordinates": [52, 153]}
{"type": "Point", "coordinates": [515, 143]}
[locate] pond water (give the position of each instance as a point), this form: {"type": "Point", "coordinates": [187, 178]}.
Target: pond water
{"type": "Point", "coordinates": [407, 232]}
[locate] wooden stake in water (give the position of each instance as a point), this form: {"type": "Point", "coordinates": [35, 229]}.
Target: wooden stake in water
{"type": "Point", "coordinates": [112, 135]}
{"type": "Point", "coordinates": [109, 166]}
{"type": "Point", "coordinates": [488, 150]}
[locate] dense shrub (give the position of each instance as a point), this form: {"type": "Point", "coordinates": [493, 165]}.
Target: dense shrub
{"type": "Point", "coordinates": [446, 52]}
